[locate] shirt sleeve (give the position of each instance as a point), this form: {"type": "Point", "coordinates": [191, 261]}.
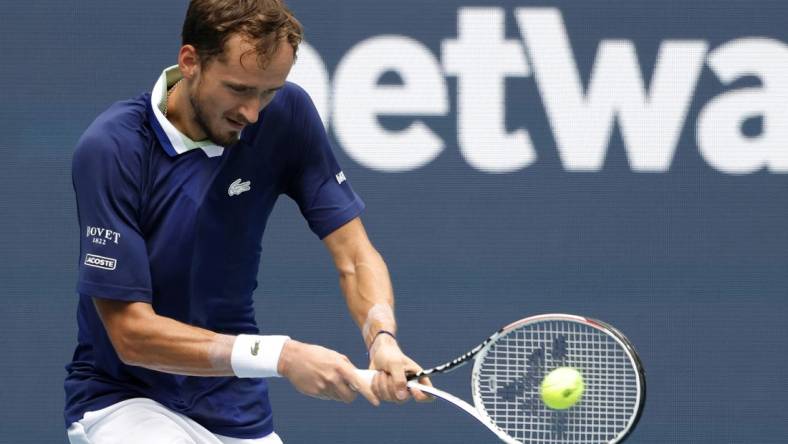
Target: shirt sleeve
{"type": "Point", "coordinates": [320, 187]}
{"type": "Point", "coordinates": [113, 260]}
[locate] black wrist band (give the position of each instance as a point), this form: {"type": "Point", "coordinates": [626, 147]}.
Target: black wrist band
{"type": "Point", "coordinates": [380, 332]}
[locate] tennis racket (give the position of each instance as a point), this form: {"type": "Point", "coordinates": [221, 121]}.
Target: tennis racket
{"type": "Point", "coordinates": [508, 368]}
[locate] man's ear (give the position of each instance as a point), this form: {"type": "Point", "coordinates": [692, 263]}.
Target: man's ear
{"type": "Point", "coordinates": [189, 61]}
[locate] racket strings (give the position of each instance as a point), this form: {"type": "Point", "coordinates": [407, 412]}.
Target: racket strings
{"type": "Point", "coordinates": [511, 371]}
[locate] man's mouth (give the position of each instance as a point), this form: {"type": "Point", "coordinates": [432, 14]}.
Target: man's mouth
{"type": "Point", "coordinates": [235, 124]}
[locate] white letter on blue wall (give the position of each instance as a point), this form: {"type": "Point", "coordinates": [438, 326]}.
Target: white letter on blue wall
{"type": "Point", "coordinates": [720, 138]}
{"type": "Point", "coordinates": [482, 58]}
{"type": "Point", "coordinates": [650, 122]}
{"type": "Point", "coordinates": [359, 100]}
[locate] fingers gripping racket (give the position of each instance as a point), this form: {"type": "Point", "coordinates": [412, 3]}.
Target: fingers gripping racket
{"type": "Point", "coordinates": [510, 365]}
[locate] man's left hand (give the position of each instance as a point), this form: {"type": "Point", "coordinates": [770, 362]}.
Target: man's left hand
{"type": "Point", "coordinates": [392, 365]}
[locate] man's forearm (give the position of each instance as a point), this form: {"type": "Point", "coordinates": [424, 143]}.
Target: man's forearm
{"type": "Point", "coordinates": [366, 284]}
{"type": "Point", "coordinates": [364, 279]}
{"type": "Point", "coordinates": [368, 291]}
{"type": "Point", "coordinates": [170, 346]}
{"type": "Point", "coordinates": [143, 338]}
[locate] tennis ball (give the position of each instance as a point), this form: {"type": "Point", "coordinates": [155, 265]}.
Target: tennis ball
{"type": "Point", "coordinates": [562, 388]}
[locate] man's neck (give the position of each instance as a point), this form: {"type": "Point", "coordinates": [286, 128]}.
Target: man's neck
{"type": "Point", "coordinates": [181, 114]}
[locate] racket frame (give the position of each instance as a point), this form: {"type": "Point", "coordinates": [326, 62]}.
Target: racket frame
{"type": "Point", "coordinates": [477, 354]}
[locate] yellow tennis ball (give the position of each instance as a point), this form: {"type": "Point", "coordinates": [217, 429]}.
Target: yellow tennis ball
{"type": "Point", "coordinates": [562, 388]}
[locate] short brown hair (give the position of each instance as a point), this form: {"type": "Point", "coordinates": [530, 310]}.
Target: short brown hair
{"type": "Point", "coordinates": [265, 23]}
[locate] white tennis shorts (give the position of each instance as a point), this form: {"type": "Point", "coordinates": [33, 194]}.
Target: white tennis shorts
{"type": "Point", "coordinates": [142, 420]}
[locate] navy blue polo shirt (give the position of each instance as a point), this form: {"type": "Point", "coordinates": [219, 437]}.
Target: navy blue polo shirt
{"type": "Point", "coordinates": [179, 225]}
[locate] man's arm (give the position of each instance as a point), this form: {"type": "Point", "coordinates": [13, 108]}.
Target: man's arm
{"type": "Point", "coordinates": [365, 282]}
{"type": "Point", "coordinates": [143, 338]}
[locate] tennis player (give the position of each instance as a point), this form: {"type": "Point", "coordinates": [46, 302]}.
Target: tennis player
{"type": "Point", "coordinates": [173, 190]}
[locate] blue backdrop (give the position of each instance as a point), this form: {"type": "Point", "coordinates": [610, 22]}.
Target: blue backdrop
{"type": "Point", "coordinates": [494, 191]}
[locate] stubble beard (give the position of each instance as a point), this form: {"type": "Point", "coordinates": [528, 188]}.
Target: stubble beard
{"type": "Point", "coordinates": [202, 121]}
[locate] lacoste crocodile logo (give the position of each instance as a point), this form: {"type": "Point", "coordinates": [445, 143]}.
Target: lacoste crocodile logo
{"type": "Point", "coordinates": [239, 187]}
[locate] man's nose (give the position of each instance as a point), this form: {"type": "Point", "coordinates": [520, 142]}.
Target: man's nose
{"type": "Point", "coordinates": [251, 110]}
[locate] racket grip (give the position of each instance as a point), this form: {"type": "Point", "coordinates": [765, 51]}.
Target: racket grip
{"type": "Point", "coordinates": [366, 375]}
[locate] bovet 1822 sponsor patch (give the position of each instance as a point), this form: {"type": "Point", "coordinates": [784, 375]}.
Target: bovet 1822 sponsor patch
{"type": "Point", "coordinates": [100, 235]}
{"type": "Point", "coordinates": [105, 263]}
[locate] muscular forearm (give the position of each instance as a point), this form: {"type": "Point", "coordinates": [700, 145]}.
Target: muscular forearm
{"type": "Point", "coordinates": [170, 346]}
{"type": "Point", "coordinates": [367, 287]}
{"type": "Point", "coordinates": [364, 279]}
{"type": "Point", "coordinates": [143, 338]}
{"type": "Point", "coordinates": [366, 284]}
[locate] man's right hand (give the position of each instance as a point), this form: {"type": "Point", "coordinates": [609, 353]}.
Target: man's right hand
{"type": "Point", "coordinates": [322, 373]}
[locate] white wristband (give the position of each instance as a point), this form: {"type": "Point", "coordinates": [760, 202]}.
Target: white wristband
{"type": "Point", "coordinates": [257, 356]}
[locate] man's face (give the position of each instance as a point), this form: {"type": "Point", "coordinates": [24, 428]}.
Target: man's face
{"type": "Point", "coordinates": [229, 91]}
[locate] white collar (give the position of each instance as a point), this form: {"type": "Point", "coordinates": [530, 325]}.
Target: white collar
{"type": "Point", "coordinates": [173, 140]}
